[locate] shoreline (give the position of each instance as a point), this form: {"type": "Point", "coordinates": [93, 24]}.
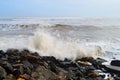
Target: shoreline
{"type": "Point", "coordinates": [25, 65]}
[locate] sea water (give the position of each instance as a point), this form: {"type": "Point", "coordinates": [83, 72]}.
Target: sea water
{"type": "Point", "coordinates": [63, 37]}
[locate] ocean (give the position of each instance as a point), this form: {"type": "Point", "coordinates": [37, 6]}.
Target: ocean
{"type": "Point", "coordinates": [63, 37]}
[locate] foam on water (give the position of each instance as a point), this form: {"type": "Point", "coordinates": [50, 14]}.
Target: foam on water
{"type": "Point", "coordinates": [74, 38]}
{"type": "Point", "coordinates": [47, 45]}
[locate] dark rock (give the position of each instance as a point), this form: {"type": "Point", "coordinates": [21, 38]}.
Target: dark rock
{"type": "Point", "coordinates": [112, 69]}
{"type": "Point", "coordinates": [18, 69]}
{"type": "Point", "coordinates": [116, 78]}
{"type": "Point", "coordinates": [101, 60]}
{"type": "Point", "coordinates": [97, 62]}
{"type": "Point", "coordinates": [10, 52]}
{"type": "Point", "coordinates": [45, 74]}
{"type": "Point", "coordinates": [53, 67]}
{"type": "Point", "coordinates": [29, 57]}
{"type": "Point", "coordinates": [115, 63]}
{"type": "Point", "coordinates": [1, 53]}
{"type": "Point", "coordinates": [3, 73]}
{"type": "Point", "coordinates": [26, 65]}
{"type": "Point", "coordinates": [10, 77]}
{"type": "Point", "coordinates": [7, 66]}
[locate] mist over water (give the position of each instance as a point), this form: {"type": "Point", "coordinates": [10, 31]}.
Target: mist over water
{"type": "Point", "coordinates": [62, 37]}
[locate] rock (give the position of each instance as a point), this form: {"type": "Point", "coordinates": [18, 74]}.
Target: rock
{"type": "Point", "coordinates": [50, 59]}
{"type": "Point", "coordinates": [116, 78]}
{"type": "Point", "coordinates": [115, 63]}
{"type": "Point", "coordinates": [105, 76]}
{"type": "Point", "coordinates": [112, 69]}
{"type": "Point", "coordinates": [93, 74]}
{"type": "Point", "coordinates": [20, 78]}
{"type": "Point", "coordinates": [1, 53]}
{"type": "Point", "coordinates": [25, 76]}
{"type": "Point", "coordinates": [10, 77]}
{"type": "Point", "coordinates": [11, 51]}
{"type": "Point", "coordinates": [84, 63]}
{"type": "Point", "coordinates": [34, 75]}
{"type": "Point", "coordinates": [45, 74]}
{"type": "Point", "coordinates": [96, 64]}
{"type": "Point", "coordinates": [3, 73]}
{"type": "Point", "coordinates": [86, 59]}
{"type": "Point", "coordinates": [101, 60]}
{"type": "Point", "coordinates": [26, 65]}
{"type": "Point", "coordinates": [62, 76]}
{"type": "Point", "coordinates": [29, 57]}
{"type": "Point", "coordinates": [18, 70]}
{"type": "Point", "coordinates": [7, 66]}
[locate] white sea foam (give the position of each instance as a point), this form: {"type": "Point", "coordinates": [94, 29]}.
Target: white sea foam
{"type": "Point", "coordinates": [62, 37]}
{"type": "Point", "coordinates": [47, 45]}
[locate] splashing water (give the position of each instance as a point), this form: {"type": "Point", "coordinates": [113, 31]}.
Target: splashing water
{"type": "Point", "coordinates": [47, 45]}
{"type": "Point", "coordinates": [62, 37]}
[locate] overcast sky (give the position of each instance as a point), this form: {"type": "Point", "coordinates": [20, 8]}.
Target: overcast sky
{"type": "Point", "coordinates": [66, 8]}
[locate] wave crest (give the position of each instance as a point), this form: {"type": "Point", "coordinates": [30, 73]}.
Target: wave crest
{"type": "Point", "coordinates": [47, 45]}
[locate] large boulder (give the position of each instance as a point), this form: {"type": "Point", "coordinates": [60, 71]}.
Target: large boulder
{"type": "Point", "coordinates": [115, 63]}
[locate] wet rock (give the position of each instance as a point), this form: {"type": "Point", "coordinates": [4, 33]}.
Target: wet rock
{"type": "Point", "coordinates": [115, 63]}
{"type": "Point", "coordinates": [84, 63]}
{"type": "Point", "coordinates": [34, 75]}
{"type": "Point", "coordinates": [1, 53]}
{"type": "Point", "coordinates": [29, 57]}
{"type": "Point", "coordinates": [45, 74]}
{"type": "Point", "coordinates": [112, 69]}
{"type": "Point", "coordinates": [24, 65]}
{"type": "Point", "coordinates": [62, 76]}
{"type": "Point", "coordinates": [97, 63]}
{"type": "Point", "coordinates": [53, 67]}
{"type": "Point", "coordinates": [101, 60]}
{"type": "Point", "coordinates": [17, 69]}
{"type": "Point", "coordinates": [87, 59]}
{"type": "Point", "coordinates": [50, 59]}
{"type": "Point", "coordinates": [11, 51]}
{"type": "Point", "coordinates": [25, 76]}
{"type": "Point", "coordinates": [10, 77]}
{"type": "Point", "coordinates": [116, 77]}
{"type": "Point", "coordinates": [7, 66]}
{"type": "Point", "coordinates": [3, 73]}
{"type": "Point", "coordinates": [93, 74]}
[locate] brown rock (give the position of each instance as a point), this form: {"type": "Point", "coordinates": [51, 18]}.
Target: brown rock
{"type": "Point", "coordinates": [25, 76]}
{"type": "Point", "coordinates": [93, 74]}
{"type": "Point", "coordinates": [34, 75]}
{"type": "Point", "coordinates": [45, 74]}
{"type": "Point", "coordinates": [87, 59]}
{"type": "Point", "coordinates": [11, 77]}
{"type": "Point", "coordinates": [62, 76]}
{"type": "Point", "coordinates": [20, 78]}
{"type": "Point", "coordinates": [84, 63]}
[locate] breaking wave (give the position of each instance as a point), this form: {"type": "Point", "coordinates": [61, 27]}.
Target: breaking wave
{"type": "Point", "coordinates": [47, 45]}
{"type": "Point", "coordinates": [62, 37]}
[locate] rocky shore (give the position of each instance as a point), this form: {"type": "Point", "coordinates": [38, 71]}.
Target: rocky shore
{"type": "Point", "coordinates": [25, 65]}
